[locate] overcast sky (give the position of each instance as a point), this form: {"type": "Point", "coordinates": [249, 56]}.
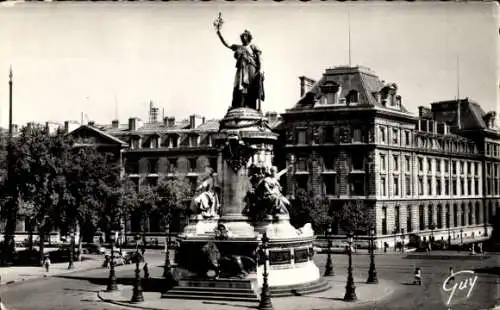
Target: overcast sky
{"type": "Point", "coordinates": [105, 59]}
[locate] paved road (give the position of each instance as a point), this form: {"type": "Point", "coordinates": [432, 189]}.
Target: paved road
{"type": "Point", "coordinates": [78, 292]}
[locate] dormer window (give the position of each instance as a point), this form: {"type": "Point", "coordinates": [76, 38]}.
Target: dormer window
{"type": "Point", "coordinates": [331, 91]}
{"type": "Point", "coordinates": [352, 97]}
{"type": "Point", "coordinates": [154, 142]}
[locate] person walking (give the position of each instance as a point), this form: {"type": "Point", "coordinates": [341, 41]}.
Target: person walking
{"type": "Point", "coordinates": [146, 271]}
{"type": "Point", "coordinates": [418, 276]}
{"type": "Point", "coordinates": [46, 263]}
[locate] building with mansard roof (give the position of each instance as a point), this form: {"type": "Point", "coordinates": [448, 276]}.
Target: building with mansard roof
{"type": "Point", "coordinates": [435, 174]}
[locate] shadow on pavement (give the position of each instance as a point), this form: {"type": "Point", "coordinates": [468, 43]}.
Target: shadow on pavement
{"type": "Point", "coordinates": [239, 306]}
{"type": "Point", "coordinates": [149, 285]}
{"type": "Point", "coordinates": [490, 270]}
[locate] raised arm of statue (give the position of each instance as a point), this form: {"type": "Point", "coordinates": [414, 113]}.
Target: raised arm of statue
{"type": "Point", "coordinates": [219, 34]}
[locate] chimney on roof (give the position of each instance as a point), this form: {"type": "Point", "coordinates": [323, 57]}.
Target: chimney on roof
{"type": "Point", "coordinates": [170, 121]}
{"type": "Point", "coordinates": [203, 120]}
{"type": "Point", "coordinates": [192, 121]}
{"type": "Point", "coordinates": [305, 85]}
{"type": "Point", "coordinates": [115, 123]}
{"type": "Point", "coordinates": [91, 123]}
{"type": "Point", "coordinates": [271, 116]}
{"type": "Point", "coordinates": [66, 126]}
{"type": "Point", "coordinates": [132, 124]}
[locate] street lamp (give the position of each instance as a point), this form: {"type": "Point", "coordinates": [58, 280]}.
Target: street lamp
{"type": "Point", "coordinates": [372, 273]}
{"type": "Point", "coordinates": [71, 249]}
{"type": "Point", "coordinates": [137, 296]}
{"type": "Point", "coordinates": [112, 286]}
{"type": "Point", "coordinates": [167, 272]}
{"type": "Point", "coordinates": [329, 264]}
{"type": "Point", "coordinates": [350, 289]}
{"type": "Point", "coordinates": [265, 296]}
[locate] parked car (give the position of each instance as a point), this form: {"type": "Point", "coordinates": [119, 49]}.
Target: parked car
{"type": "Point", "coordinates": [92, 248]}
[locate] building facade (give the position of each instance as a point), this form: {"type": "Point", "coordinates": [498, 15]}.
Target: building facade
{"type": "Point", "coordinates": [434, 175]}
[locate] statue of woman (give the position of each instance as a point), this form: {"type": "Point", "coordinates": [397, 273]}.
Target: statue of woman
{"type": "Point", "coordinates": [248, 88]}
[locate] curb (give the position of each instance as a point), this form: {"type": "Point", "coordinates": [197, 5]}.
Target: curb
{"type": "Point", "coordinates": [42, 276]}
{"type": "Point", "coordinates": [123, 304]}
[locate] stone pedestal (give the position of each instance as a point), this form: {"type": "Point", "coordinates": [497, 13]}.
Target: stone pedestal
{"type": "Point", "coordinates": [200, 226]}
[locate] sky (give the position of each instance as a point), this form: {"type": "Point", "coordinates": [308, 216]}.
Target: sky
{"type": "Point", "coordinates": [109, 60]}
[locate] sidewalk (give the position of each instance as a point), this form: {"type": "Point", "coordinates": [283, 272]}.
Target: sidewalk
{"type": "Point", "coordinates": [15, 274]}
{"type": "Point", "coordinates": [331, 299]}
{"type": "Point", "coordinates": [337, 250]}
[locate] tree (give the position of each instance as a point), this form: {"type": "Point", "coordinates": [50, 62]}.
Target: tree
{"type": "Point", "coordinates": [353, 216]}
{"type": "Point", "coordinates": [307, 208]}
{"type": "Point", "coordinates": [172, 194]}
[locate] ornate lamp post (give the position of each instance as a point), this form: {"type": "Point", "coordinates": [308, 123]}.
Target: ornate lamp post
{"type": "Point", "coordinates": [329, 264]}
{"type": "Point", "coordinates": [112, 286]}
{"type": "Point", "coordinates": [71, 249]}
{"type": "Point", "coordinates": [167, 272]}
{"type": "Point", "coordinates": [265, 296]}
{"type": "Point", "coordinates": [372, 272]}
{"type": "Point", "coordinates": [350, 288]}
{"type": "Point", "coordinates": [137, 296]}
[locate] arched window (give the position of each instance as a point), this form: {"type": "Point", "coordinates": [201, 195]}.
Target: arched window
{"type": "Point", "coordinates": [462, 215]}
{"type": "Point", "coordinates": [408, 219]}
{"type": "Point", "coordinates": [478, 213]}
{"type": "Point", "coordinates": [430, 220]}
{"type": "Point", "coordinates": [447, 216]}
{"type": "Point", "coordinates": [421, 221]}
{"type": "Point", "coordinates": [439, 216]}
{"type": "Point", "coordinates": [469, 220]}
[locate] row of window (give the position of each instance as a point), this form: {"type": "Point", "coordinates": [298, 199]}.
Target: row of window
{"type": "Point", "coordinates": [394, 136]}
{"type": "Point", "coordinates": [170, 142]}
{"type": "Point", "coordinates": [170, 165]}
{"type": "Point", "coordinates": [436, 217]}
{"type": "Point", "coordinates": [438, 187]}
{"type": "Point", "coordinates": [493, 149]}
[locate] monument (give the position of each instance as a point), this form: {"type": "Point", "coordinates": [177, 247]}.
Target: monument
{"type": "Point", "coordinates": [219, 250]}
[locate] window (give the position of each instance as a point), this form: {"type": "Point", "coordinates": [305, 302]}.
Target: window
{"type": "Point", "coordinates": [396, 186]}
{"type": "Point", "coordinates": [438, 165]}
{"type": "Point", "coordinates": [356, 136]}
{"type": "Point", "coordinates": [154, 142]}
{"type": "Point", "coordinates": [469, 213]}
{"type": "Point", "coordinates": [382, 134]}
{"type": "Point", "coordinates": [454, 187]}
{"type": "Point", "coordinates": [352, 97]}
{"type": "Point", "coordinates": [429, 186]}
{"type": "Point", "coordinates": [438, 187]}
{"type": "Point", "coordinates": [329, 184]}
{"type": "Point", "coordinates": [193, 141]}
{"type": "Point", "coordinates": [447, 216]}
{"type": "Point", "coordinates": [302, 164]}
{"type": "Point", "coordinates": [382, 162]}
{"type": "Point", "coordinates": [384, 220]}
{"type": "Point", "coordinates": [420, 186]}
{"type": "Point", "coordinates": [301, 137]}
{"type": "Point", "coordinates": [446, 187]}
{"type": "Point", "coordinates": [477, 209]}
{"type": "Point", "coordinates": [430, 219]}
{"type": "Point", "coordinates": [153, 165]}
{"type": "Point", "coordinates": [462, 187]}
{"type": "Point", "coordinates": [407, 163]}
{"type": "Point", "coordinates": [476, 169]}
{"type": "Point", "coordinates": [429, 165]}
{"type": "Point", "coordinates": [328, 134]}
{"type": "Point", "coordinates": [488, 169]}
{"type": "Point", "coordinates": [420, 164]}
{"type": "Point", "coordinates": [382, 186]}
{"type": "Point", "coordinates": [453, 167]}
{"type": "Point", "coordinates": [408, 219]}
{"type": "Point", "coordinates": [357, 161]}
{"type": "Point", "coordinates": [397, 218]}
{"type": "Point", "coordinates": [408, 186]}
{"type": "Point", "coordinates": [421, 218]}
{"type": "Point", "coordinates": [469, 168]}
{"type": "Point", "coordinates": [446, 166]}
{"type": "Point", "coordinates": [476, 186]}
{"type": "Point", "coordinates": [407, 138]}
{"type": "Point", "coordinates": [462, 215]}
{"type": "Point", "coordinates": [357, 185]}
{"type": "Point", "coordinates": [469, 186]}
{"type": "Point", "coordinates": [394, 136]}
{"type": "Point", "coordinates": [328, 163]}
{"type": "Point", "coordinates": [462, 170]}
{"type": "Point", "coordinates": [192, 165]}
{"type": "Point", "coordinates": [455, 215]}
{"type": "Point", "coordinates": [396, 162]}
{"type": "Point", "coordinates": [439, 216]}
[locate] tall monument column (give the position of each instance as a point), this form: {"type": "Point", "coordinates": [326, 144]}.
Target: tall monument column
{"type": "Point", "coordinates": [244, 140]}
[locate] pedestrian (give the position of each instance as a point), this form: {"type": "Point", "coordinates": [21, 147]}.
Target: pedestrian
{"type": "Point", "coordinates": [418, 276]}
{"type": "Point", "coordinates": [480, 247]}
{"type": "Point", "coordinates": [146, 271]}
{"type": "Point", "coordinates": [386, 245]}
{"type": "Point", "coordinates": [451, 275]}
{"type": "Point", "coordinates": [101, 240]}
{"type": "Point", "coordinates": [46, 263]}
{"type": "Point", "coordinates": [106, 261]}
